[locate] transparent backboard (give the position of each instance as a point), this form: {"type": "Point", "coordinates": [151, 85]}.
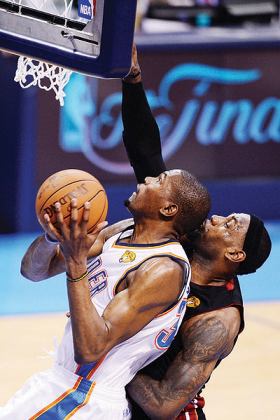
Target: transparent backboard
{"type": "Point", "coordinates": [93, 37]}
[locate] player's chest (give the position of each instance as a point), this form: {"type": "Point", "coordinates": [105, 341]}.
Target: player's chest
{"type": "Point", "coordinates": [110, 271]}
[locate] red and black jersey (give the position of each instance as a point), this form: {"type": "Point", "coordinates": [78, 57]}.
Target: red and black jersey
{"type": "Point", "coordinates": [202, 299]}
{"type": "Point", "coordinates": [142, 142]}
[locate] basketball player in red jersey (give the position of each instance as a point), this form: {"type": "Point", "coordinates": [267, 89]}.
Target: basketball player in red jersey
{"type": "Point", "coordinates": [221, 248]}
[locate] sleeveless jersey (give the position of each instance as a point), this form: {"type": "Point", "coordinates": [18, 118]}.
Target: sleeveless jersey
{"type": "Point", "coordinates": [106, 272]}
{"type": "Point", "coordinates": [202, 299]}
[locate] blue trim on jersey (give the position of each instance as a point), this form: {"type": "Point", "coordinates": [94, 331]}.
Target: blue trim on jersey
{"type": "Point", "coordinates": [153, 245]}
{"type": "Point", "coordinates": [84, 370]}
{"type": "Point", "coordinates": [68, 403]}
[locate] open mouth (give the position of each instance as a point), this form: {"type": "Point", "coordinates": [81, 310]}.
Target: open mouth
{"type": "Point", "coordinates": [202, 226]}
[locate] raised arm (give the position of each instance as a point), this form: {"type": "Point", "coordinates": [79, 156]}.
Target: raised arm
{"type": "Point", "coordinates": [43, 258]}
{"type": "Point", "coordinates": [206, 339]}
{"type": "Point", "coordinates": [141, 134]}
{"type": "Point", "coordinates": [148, 291]}
{"type": "Point", "coordinates": [147, 294]}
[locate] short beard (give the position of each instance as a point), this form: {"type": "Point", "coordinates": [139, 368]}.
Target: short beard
{"type": "Point", "coordinates": [192, 236]}
{"type": "Point", "coordinates": [126, 202]}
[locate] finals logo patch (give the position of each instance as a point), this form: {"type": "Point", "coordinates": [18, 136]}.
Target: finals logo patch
{"type": "Point", "coordinates": [128, 256]}
{"type": "Point", "coordinates": [193, 302]}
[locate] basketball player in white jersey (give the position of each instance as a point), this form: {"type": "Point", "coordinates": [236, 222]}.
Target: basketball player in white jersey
{"type": "Point", "coordinates": [126, 304]}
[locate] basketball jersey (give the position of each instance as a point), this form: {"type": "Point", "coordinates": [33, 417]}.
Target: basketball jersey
{"type": "Point", "coordinates": [201, 299]}
{"type": "Point", "coordinates": [106, 272]}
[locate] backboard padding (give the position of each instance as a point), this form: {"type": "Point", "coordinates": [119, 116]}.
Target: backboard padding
{"type": "Point", "coordinates": [102, 47]}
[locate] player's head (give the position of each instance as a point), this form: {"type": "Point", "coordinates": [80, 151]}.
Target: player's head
{"type": "Point", "coordinates": [193, 200]}
{"type": "Point", "coordinates": [174, 195]}
{"type": "Point", "coordinates": [239, 242]}
{"type": "Point", "coordinates": [257, 246]}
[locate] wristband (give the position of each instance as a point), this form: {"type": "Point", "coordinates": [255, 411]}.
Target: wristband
{"type": "Point", "coordinates": [78, 279]}
{"type": "Point", "coordinates": [131, 76]}
{"type": "Point", "coordinates": [50, 240]}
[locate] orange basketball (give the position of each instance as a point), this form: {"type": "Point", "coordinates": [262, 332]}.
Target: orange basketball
{"type": "Point", "coordinates": [62, 187]}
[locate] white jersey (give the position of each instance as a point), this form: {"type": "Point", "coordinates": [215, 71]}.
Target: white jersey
{"type": "Point", "coordinates": [97, 391]}
{"type": "Point", "coordinates": [106, 272]}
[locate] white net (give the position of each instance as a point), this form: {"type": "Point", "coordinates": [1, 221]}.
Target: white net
{"type": "Point", "coordinates": [32, 72]}
{"type": "Point", "coordinates": [46, 76]}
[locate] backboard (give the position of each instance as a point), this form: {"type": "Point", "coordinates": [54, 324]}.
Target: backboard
{"type": "Point", "coordinates": [93, 37]}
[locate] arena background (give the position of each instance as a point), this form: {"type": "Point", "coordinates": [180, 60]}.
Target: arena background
{"type": "Point", "coordinates": [237, 159]}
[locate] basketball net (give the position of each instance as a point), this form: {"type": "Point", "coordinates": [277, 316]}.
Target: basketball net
{"type": "Point", "coordinates": [46, 76]}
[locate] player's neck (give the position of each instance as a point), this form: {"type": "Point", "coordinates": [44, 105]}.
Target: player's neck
{"type": "Point", "coordinates": [148, 232]}
{"type": "Point", "coordinates": [205, 272]}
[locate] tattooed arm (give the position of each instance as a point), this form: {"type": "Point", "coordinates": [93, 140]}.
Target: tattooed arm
{"type": "Point", "coordinates": [206, 339]}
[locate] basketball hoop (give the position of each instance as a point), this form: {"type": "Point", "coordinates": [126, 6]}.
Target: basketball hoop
{"type": "Point", "coordinates": [46, 76]}
{"type": "Point", "coordinates": [65, 36]}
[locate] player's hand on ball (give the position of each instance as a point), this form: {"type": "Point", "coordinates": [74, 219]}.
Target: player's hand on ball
{"type": "Point", "coordinates": [73, 239]}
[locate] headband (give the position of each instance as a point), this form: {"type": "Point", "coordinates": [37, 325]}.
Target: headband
{"type": "Point", "coordinates": [251, 246]}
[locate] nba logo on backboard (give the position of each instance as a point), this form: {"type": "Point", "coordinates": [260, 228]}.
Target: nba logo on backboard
{"type": "Point", "coordinates": [86, 9]}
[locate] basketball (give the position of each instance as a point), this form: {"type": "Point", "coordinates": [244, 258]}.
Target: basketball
{"type": "Point", "coordinates": [67, 184]}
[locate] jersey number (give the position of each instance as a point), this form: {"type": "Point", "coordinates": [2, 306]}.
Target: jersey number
{"type": "Point", "coordinates": [165, 338]}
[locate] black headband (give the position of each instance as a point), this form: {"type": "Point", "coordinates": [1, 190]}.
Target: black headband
{"type": "Point", "coordinates": [251, 246]}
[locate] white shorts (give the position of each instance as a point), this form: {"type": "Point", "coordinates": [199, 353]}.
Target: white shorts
{"type": "Point", "coordinates": [58, 394]}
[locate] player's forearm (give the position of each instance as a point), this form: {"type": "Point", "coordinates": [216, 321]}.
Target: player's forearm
{"type": "Point", "coordinates": [91, 336]}
{"type": "Point", "coordinates": [126, 314]}
{"type": "Point", "coordinates": [37, 263]}
{"type": "Point", "coordinates": [144, 391]}
{"type": "Point", "coordinates": [89, 328]}
{"type": "Point", "coordinates": [164, 400]}
{"type": "Point", "coordinates": [141, 134]}
{"type": "Point", "coordinates": [139, 123]}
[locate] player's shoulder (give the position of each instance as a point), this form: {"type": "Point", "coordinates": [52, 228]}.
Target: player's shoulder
{"type": "Point", "coordinates": [114, 229]}
{"type": "Point", "coordinates": [161, 275]}
{"type": "Point", "coordinates": [105, 235]}
{"type": "Point", "coordinates": [161, 264]}
{"type": "Point", "coordinates": [219, 327]}
{"type": "Point", "coordinates": [228, 315]}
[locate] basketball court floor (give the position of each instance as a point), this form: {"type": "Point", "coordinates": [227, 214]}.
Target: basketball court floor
{"type": "Point", "coordinates": [244, 387]}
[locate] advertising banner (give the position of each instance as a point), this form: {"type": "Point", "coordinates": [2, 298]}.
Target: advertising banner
{"type": "Point", "coordinates": [218, 114]}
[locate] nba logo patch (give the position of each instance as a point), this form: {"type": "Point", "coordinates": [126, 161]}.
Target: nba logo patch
{"type": "Point", "coordinates": [86, 9]}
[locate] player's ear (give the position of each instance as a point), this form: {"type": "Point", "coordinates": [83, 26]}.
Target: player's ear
{"type": "Point", "coordinates": [235, 255]}
{"type": "Point", "coordinates": [169, 210]}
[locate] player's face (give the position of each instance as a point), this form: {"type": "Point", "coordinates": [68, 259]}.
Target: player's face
{"type": "Point", "coordinates": [153, 193]}
{"type": "Point", "coordinates": [222, 231]}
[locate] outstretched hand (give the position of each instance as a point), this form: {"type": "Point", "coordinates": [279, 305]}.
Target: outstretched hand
{"type": "Point", "coordinates": [134, 75]}
{"type": "Point", "coordinates": [74, 240]}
